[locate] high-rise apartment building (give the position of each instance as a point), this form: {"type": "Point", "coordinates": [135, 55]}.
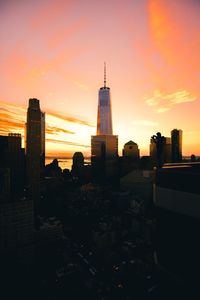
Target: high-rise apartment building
{"type": "Point", "coordinates": [42, 153]}
{"type": "Point", "coordinates": [12, 157]}
{"type": "Point", "coordinates": [16, 229]}
{"type": "Point", "coordinates": [16, 211]}
{"type": "Point", "coordinates": [176, 139]}
{"type": "Point", "coordinates": [104, 145]}
{"type": "Point", "coordinates": [167, 150]}
{"type": "Point", "coordinates": [35, 148]}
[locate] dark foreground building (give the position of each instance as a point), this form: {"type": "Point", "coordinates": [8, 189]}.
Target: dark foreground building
{"type": "Point", "coordinates": [176, 138]}
{"type": "Point", "coordinates": [12, 158]}
{"type": "Point", "coordinates": [177, 200]}
{"type": "Point", "coordinates": [35, 149]}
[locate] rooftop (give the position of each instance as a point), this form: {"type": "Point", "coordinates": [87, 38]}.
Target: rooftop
{"type": "Point", "coordinates": [130, 143]}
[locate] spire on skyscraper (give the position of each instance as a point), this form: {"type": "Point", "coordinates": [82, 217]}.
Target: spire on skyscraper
{"type": "Point", "coordinates": [104, 117]}
{"type": "Point", "coordinates": [104, 74]}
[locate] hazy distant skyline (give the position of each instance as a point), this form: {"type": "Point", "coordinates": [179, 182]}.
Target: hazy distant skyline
{"type": "Point", "coordinates": [55, 51]}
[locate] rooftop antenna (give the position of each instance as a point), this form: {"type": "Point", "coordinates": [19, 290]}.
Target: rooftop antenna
{"type": "Point", "coordinates": [104, 74]}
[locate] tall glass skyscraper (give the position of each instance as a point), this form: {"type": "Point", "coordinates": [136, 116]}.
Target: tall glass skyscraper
{"type": "Point", "coordinates": [104, 145]}
{"type": "Point", "coordinates": [104, 117]}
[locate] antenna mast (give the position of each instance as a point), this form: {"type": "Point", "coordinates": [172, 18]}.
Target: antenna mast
{"type": "Point", "coordinates": [104, 74]}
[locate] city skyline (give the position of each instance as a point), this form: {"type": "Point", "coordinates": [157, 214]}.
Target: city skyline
{"type": "Point", "coordinates": [153, 77]}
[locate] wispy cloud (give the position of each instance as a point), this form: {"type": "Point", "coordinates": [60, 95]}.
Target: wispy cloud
{"type": "Point", "coordinates": [57, 130]}
{"type": "Point", "coordinates": [163, 102]}
{"type": "Point", "coordinates": [145, 123]}
{"type": "Point", "coordinates": [70, 118]}
{"type": "Point", "coordinates": [174, 28]}
{"type": "Point", "coordinates": [60, 35]}
{"type": "Point", "coordinates": [163, 109]}
{"type": "Point", "coordinates": [10, 122]}
{"type": "Point", "coordinates": [182, 97]}
{"type": "Point", "coordinates": [67, 143]}
{"type": "Point", "coordinates": [13, 118]}
{"type": "Point", "coordinates": [49, 13]}
{"type": "Point", "coordinates": [81, 85]}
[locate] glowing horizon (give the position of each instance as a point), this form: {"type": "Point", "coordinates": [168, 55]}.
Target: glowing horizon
{"type": "Point", "coordinates": [54, 51]}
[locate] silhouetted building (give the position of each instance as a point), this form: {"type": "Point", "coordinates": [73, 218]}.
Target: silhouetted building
{"type": "Point", "coordinates": [145, 163]}
{"type": "Point", "coordinates": [104, 145]}
{"type": "Point", "coordinates": [12, 156]}
{"type": "Point", "coordinates": [78, 161]}
{"type": "Point", "coordinates": [177, 202]}
{"type": "Point", "coordinates": [5, 184]}
{"type": "Point", "coordinates": [53, 169]}
{"type": "Point", "coordinates": [130, 159]}
{"type": "Point", "coordinates": [3, 151]}
{"type": "Point", "coordinates": [167, 151]}
{"type": "Point", "coordinates": [193, 158]}
{"type": "Point", "coordinates": [131, 150]}
{"type": "Point", "coordinates": [16, 230]}
{"type": "Point", "coordinates": [78, 165]}
{"type": "Point", "coordinates": [42, 154]}
{"type": "Point", "coordinates": [16, 211]}
{"type": "Point", "coordinates": [35, 147]}
{"type": "Point", "coordinates": [176, 139]}
{"type": "Point", "coordinates": [164, 148]}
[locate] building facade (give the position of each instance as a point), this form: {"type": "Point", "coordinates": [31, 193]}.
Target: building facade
{"type": "Point", "coordinates": [165, 151]}
{"type": "Point", "coordinates": [12, 157]}
{"type": "Point", "coordinates": [131, 150]}
{"type": "Point", "coordinates": [177, 202]}
{"type": "Point", "coordinates": [35, 148]}
{"type": "Point", "coordinates": [16, 229]}
{"type": "Point", "coordinates": [104, 145]}
{"type": "Point", "coordinates": [176, 139]}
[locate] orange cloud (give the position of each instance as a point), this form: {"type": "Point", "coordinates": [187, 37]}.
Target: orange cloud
{"type": "Point", "coordinates": [7, 126]}
{"type": "Point", "coordinates": [67, 143]}
{"type": "Point", "coordinates": [13, 118]}
{"type": "Point", "coordinates": [18, 112]}
{"type": "Point", "coordinates": [49, 13]}
{"type": "Point", "coordinates": [57, 38]}
{"type": "Point", "coordinates": [162, 102]}
{"type": "Point", "coordinates": [57, 130]}
{"type": "Point", "coordinates": [174, 28]}
{"type": "Point", "coordinates": [70, 118]}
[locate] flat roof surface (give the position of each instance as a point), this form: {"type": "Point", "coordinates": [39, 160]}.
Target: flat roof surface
{"type": "Point", "coordinates": [180, 177]}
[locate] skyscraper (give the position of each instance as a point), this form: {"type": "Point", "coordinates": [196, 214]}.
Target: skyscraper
{"type": "Point", "coordinates": [12, 157]}
{"type": "Point", "coordinates": [104, 117]}
{"type": "Point", "coordinates": [104, 145]}
{"type": "Point", "coordinates": [163, 154]}
{"type": "Point", "coordinates": [42, 153]}
{"type": "Point", "coordinates": [176, 138]}
{"type": "Point", "coordinates": [16, 211]}
{"type": "Point", "coordinates": [35, 147]}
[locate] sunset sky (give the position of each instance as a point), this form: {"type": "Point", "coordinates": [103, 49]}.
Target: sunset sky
{"type": "Point", "coordinates": [54, 50]}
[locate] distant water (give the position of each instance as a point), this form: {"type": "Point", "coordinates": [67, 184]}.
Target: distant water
{"type": "Point", "coordinates": [64, 163]}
